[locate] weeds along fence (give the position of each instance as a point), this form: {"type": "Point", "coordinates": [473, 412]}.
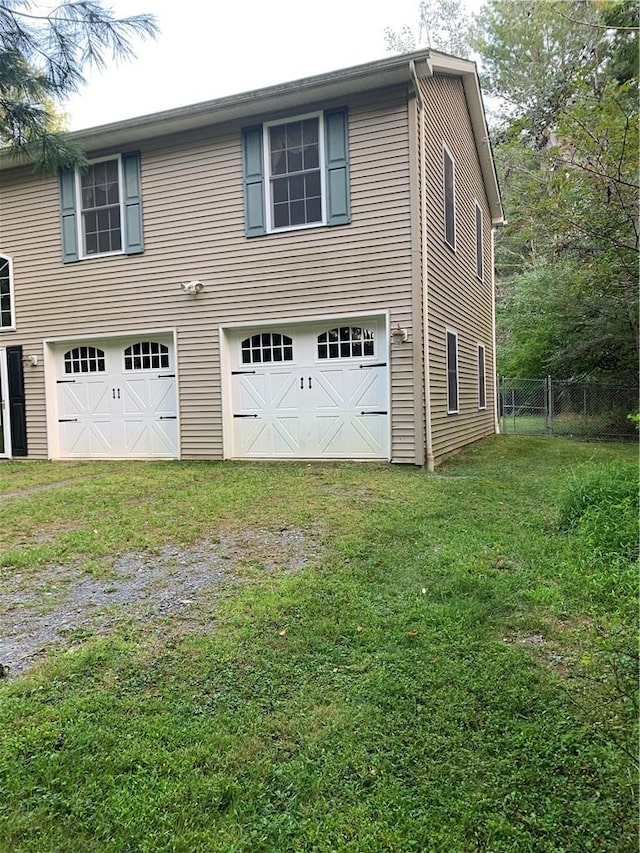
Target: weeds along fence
{"type": "Point", "coordinates": [564, 408]}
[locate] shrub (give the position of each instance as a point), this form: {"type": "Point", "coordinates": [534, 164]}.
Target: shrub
{"type": "Point", "coordinates": [599, 509]}
{"type": "Point", "coordinates": [602, 506]}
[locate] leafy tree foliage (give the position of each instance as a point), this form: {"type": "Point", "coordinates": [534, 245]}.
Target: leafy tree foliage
{"type": "Point", "coordinates": [442, 24]}
{"type": "Point", "coordinates": [567, 151]}
{"type": "Point", "coordinates": [43, 59]}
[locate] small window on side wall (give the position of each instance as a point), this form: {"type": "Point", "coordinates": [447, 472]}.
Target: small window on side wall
{"type": "Point", "coordinates": [449, 189]}
{"type": "Point", "coordinates": [482, 378]}
{"type": "Point", "coordinates": [6, 294]}
{"type": "Point", "coordinates": [452, 372]}
{"type": "Point", "coordinates": [479, 243]}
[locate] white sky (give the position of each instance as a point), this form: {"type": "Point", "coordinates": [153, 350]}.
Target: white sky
{"type": "Point", "coordinates": [210, 48]}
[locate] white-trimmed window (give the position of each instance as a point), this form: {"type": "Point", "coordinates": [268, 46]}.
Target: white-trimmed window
{"type": "Point", "coordinates": [7, 310]}
{"type": "Point", "coordinates": [482, 378]}
{"type": "Point", "coordinates": [100, 206]}
{"type": "Point", "coordinates": [296, 172]}
{"type": "Point", "coordinates": [479, 243]}
{"type": "Point", "coordinates": [294, 165]}
{"type": "Point", "coordinates": [449, 193]}
{"type": "Point", "coordinates": [452, 371]}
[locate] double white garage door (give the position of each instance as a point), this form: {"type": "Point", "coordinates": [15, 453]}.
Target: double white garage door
{"type": "Point", "coordinates": [311, 391]}
{"type": "Point", "coordinates": [304, 391]}
{"type": "Point", "coordinates": [117, 399]}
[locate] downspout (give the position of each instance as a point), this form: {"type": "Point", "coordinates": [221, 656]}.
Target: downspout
{"type": "Point", "coordinates": [425, 295]}
{"type": "Point", "coordinates": [496, 415]}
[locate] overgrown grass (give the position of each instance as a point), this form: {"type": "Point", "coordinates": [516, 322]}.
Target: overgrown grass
{"type": "Point", "coordinates": [454, 674]}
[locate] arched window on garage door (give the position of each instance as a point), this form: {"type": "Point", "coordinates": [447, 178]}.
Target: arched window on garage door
{"type": "Point", "coordinates": [346, 342]}
{"type": "Point", "coordinates": [84, 360]}
{"type": "Point", "coordinates": [266, 347]}
{"type": "Point", "coordinates": [146, 355]}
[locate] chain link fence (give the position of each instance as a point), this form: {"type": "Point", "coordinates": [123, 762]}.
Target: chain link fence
{"type": "Point", "coordinates": [565, 408]}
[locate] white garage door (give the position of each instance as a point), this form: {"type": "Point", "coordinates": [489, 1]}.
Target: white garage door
{"type": "Point", "coordinates": [316, 391]}
{"type": "Point", "coordinates": [117, 399]}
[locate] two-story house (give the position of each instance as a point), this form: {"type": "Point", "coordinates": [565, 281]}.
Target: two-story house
{"type": "Point", "coordinates": [303, 271]}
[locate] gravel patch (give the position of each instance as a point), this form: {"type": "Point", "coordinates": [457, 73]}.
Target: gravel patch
{"type": "Point", "coordinates": [64, 604]}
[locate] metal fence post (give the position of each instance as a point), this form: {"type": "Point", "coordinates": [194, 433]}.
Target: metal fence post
{"type": "Point", "coordinates": [549, 405]}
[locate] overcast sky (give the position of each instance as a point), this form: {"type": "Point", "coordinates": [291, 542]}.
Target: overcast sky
{"type": "Point", "coordinates": [211, 48]}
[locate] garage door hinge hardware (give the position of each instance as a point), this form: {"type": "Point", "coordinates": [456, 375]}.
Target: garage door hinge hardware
{"type": "Point", "coordinates": [62, 381]}
{"type": "Point", "coordinates": [377, 364]}
{"type": "Point", "coordinates": [67, 420]}
{"type": "Point", "coordinates": [373, 413]}
{"type": "Point", "coordinates": [245, 416]}
{"type": "Point", "coordinates": [168, 418]}
{"type": "Point", "coordinates": [239, 372]}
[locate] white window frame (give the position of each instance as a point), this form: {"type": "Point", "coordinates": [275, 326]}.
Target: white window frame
{"type": "Point", "coordinates": [447, 332]}
{"type": "Point", "coordinates": [82, 254]}
{"type": "Point", "coordinates": [446, 151]}
{"type": "Point", "coordinates": [479, 242]}
{"type": "Point", "coordinates": [12, 303]}
{"type": "Point", "coordinates": [271, 229]}
{"type": "Point", "coordinates": [482, 385]}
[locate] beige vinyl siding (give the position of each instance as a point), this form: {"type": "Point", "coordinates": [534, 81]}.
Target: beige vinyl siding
{"type": "Point", "coordinates": [457, 300]}
{"type": "Point", "coordinates": [192, 195]}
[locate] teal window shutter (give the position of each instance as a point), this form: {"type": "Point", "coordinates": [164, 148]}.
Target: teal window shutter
{"type": "Point", "coordinates": [132, 197]}
{"type": "Point", "coordinates": [253, 166]}
{"type": "Point", "coordinates": [68, 216]}
{"type": "Point", "coordinates": [337, 166]}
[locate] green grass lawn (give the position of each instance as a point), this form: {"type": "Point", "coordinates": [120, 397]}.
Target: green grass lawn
{"type": "Point", "coordinates": [456, 671]}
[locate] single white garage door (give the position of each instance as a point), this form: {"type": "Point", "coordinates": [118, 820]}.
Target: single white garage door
{"type": "Point", "coordinates": [117, 399]}
{"type": "Point", "coordinates": [311, 391]}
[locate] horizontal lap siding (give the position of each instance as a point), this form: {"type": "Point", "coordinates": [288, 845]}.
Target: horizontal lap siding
{"type": "Point", "coordinates": [193, 229]}
{"type": "Point", "coordinates": [457, 299]}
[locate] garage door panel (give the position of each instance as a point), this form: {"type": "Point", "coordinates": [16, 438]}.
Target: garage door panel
{"type": "Point", "coordinates": [85, 398]}
{"type": "Point", "coordinates": [149, 439]}
{"type": "Point", "coordinates": [143, 395]}
{"type": "Point", "coordinates": [268, 392]}
{"type": "Point", "coordinates": [83, 439]}
{"type": "Point", "coordinates": [351, 437]}
{"type": "Point", "coordinates": [349, 389]}
{"type": "Point", "coordinates": [269, 436]}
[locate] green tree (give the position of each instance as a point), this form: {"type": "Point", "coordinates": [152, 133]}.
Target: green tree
{"type": "Point", "coordinates": [43, 59]}
{"type": "Point", "coordinates": [567, 151]}
{"type": "Point", "coordinates": [443, 25]}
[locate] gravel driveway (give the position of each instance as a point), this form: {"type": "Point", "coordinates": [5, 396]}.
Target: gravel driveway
{"type": "Point", "coordinates": [65, 604]}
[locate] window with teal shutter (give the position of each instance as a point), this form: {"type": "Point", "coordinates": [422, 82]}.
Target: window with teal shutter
{"type": "Point", "coordinates": [296, 173]}
{"type": "Point", "coordinates": [101, 208]}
